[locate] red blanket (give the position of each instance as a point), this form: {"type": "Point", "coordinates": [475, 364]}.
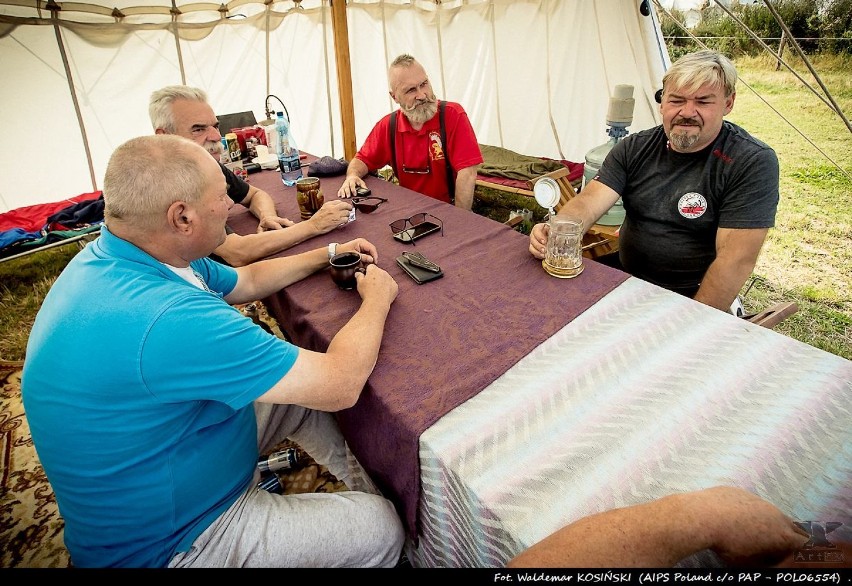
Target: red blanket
{"type": "Point", "coordinates": [33, 218]}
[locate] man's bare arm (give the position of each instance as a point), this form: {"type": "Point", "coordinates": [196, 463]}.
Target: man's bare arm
{"type": "Point", "coordinates": [739, 526]}
{"type": "Point", "coordinates": [736, 254]}
{"type": "Point", "coordinates": [317, 380]}
{"type": "Point", "coordinates": [262, 206]}
{"type": "Point", "coordinates": [239, 251]}
{"type": "Point", "coordinates": [592, 203]}
{"type": "Point", "coordinates": [465, 186]}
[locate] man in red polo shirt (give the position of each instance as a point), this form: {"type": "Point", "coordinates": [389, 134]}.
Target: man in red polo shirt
{"type": "Point", "coordinates": [416, 150]}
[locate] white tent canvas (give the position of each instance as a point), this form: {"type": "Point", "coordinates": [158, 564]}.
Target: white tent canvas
{"type": "Point", "coordinates": [535, 76]}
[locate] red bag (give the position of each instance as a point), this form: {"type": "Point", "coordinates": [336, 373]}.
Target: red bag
{"type": "Point", "coordinates": [249, 132]}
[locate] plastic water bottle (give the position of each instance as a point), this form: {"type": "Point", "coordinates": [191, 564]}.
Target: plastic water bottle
{"type": "Point", "coordinates": [288, 153]}
{"type": "Point", "coordinates": [225, 155]}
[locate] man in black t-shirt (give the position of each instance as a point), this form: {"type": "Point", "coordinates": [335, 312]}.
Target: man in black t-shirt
{"type": "Point", "coordinates": [699, 193]}
{"type": "Point", "coordinates": [184, 111]}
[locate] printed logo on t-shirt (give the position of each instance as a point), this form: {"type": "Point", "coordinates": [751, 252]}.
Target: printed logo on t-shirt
{"type": "Point", "coordinates": [722, 156]}
{"type": "Point", "coordinates": [692, 205]}
{"type": "Point", "coordinates": [436, 147]}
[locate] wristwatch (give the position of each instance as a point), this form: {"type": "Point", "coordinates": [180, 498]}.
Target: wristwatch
{"type": "Point", "coordinates": [332, 249]}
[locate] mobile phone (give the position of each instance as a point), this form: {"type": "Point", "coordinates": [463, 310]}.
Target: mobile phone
{"type": "Point", "coordinates": [417, 231]}
{"type": "Point", "coordinates": [362, 191]}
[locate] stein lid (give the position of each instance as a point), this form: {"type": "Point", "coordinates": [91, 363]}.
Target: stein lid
{"type": "Point", "coordinates": [546, 192]}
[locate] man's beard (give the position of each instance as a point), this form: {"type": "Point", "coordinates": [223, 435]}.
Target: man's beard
{"type": "Point", "coordinates": [684, 140]}
{"type": "Point", "coordinates": [422, 111]}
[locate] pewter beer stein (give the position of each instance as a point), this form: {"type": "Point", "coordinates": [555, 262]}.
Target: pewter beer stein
{"type": "Point", "coordinates": [563, 257]}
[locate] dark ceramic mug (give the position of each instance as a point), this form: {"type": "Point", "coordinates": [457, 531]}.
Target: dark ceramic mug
{"type": "Point", "coordinates": [343, 268]}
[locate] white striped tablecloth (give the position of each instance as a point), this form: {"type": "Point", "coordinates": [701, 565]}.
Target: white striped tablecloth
{"type": "Point", "coordinates": [645, 394]}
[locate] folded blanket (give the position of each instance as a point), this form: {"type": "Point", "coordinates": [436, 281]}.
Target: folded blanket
{"type": "Point", "coordinates": [500, 162]}
{"type": "Point", "coordinates": [77, 215]}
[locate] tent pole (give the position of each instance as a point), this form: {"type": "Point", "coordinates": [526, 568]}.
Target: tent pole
{"type": "Point", "coordinates": [55, 18]}
{"type": "Point", "coordinates": [175, 12]}
{"type": "Point", "coordinates": [494, 52]}
{"type": "Point", "coordinates": [545, 6]}
{"type": "Point", "coordinates": [344, 75]}
{"type": "Point", "coordinates": [327, 82]}
{"type": "Point", "coordinates": [780, 50]}
{"type": "Point", "coordinates": [772, 52]}
{"type": "Point", "coordinates": [266, 46]}
{"type": "Point", "coordinates": [807, 62]}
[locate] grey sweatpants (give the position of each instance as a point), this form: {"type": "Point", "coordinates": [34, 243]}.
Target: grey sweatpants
{"type": "Point", "coordinates": [266, 530]}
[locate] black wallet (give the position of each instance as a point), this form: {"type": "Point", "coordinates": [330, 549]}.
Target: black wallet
{"type": "Point", "coordinates": [419, 275]}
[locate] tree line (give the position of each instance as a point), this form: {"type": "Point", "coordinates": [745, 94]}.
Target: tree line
{"type": "Point", "coordinates": [819, 26]}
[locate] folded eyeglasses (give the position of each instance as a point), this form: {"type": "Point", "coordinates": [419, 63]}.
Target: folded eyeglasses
{"type": "Point", "coordinates": [367, 204]}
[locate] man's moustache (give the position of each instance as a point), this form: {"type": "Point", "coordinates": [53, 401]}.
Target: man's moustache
{"type": "Point", "coordinates": [214, 148]}
{"type": "Point", "coordinates": [419, 103]}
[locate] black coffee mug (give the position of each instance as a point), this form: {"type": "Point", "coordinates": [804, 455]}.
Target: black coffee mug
{"type": "Point", "coordinates": [343, 268]}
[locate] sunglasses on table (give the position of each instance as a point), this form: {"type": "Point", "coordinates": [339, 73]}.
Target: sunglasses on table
{"type": "Point", "coordinates": [411, 228]}
{"type": "Point", "coordinates": [368, 204]}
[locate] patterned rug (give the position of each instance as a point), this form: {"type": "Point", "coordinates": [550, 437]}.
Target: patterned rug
{"type": "Point", "coordinates": [30, 525]}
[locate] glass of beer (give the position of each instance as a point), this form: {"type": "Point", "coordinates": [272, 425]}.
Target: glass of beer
{"type": "Point", "coordinates": [563, 257]}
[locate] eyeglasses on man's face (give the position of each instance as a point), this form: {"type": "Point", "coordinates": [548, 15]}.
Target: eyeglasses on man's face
{"type": "Point", "coordinates": [411, 228]}
{"type": "Point", "coordinates": [368, 204]}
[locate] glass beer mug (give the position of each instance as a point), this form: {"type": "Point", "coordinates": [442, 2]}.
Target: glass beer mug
{"type": "Point", "coordinates": [563, 257]}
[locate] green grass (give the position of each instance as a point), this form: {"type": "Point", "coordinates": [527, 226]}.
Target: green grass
{"type": "Point", "coordinates": [807, 257]}
{"type": "Point", "coordinates": [23, 284]}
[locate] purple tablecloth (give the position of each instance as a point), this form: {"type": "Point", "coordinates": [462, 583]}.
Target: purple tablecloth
{"type": "Point", "coordinates": [445, 340]}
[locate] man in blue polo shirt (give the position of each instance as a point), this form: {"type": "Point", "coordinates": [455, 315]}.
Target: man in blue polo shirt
{"type": "Point", "coordinates": [149, 397]}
